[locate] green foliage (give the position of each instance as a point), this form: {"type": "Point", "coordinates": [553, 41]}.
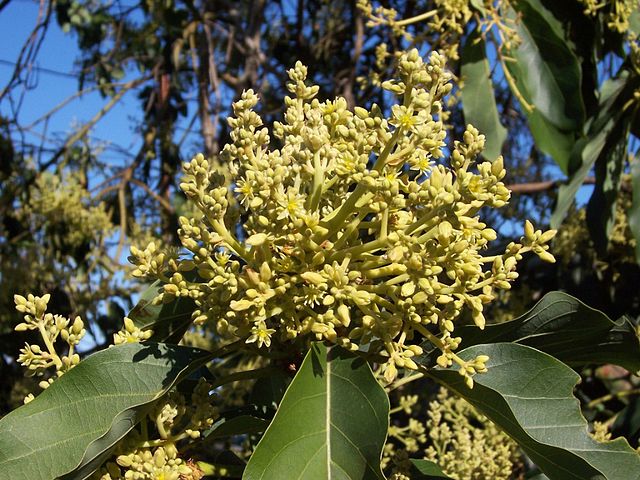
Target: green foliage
{"type": "Point", "coordinates": [331, 423]}
{"type": "Point", "coordinates": [167, 322]}
{"type": "Point", "coordinates": [607, 130]}
{"type": "Point", "coordinates": [551, 72]}
{"type": "Point", "coordinates": [478, 101]}
{"type": "Point", "coordinates": [529, 394]}
{"type": "Point", "coordinates": [567, 329]}
{"type": "Point", "coordinates": [427, 470]}
{"type": "Point", "coordinates": [71, 428]}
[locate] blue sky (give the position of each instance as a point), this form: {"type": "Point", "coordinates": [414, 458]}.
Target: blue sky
{"type": "Point", "coordinates": [58, 53]}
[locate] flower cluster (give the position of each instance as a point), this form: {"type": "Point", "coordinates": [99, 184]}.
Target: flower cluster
{"type": "Point", "coordinates": [65, 207]}
{"type": "Point", "coordinates": [154, 452]}
{"type": "Point", "coordinates": [50, 327]}
{"type": "Point", "coordinates": [617, 12]}
{"type": "Point", "coordinates": [455, 436]}
{"type": "Point", "coordinates": [465, 443]}
{"type": "Point", "coordinates": [447, 19]}
{"type": "Point", "coordinates": [130, 333]}
{"type": "Point", "coordinates": [356, 231]}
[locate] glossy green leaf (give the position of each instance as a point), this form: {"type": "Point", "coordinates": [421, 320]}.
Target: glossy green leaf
{"type": "Point", "coordinates": [551, 71]}
{"type": "Point", "coordinates": [427, 470]}
{"type": "Point", "coordinates": [478, 101]}
{"type": "Point", "coordinates": [168, 321]}
{"type": "Point", "coordinates": [72, 426]}
{"type": "Point", "coordinates": [549, 139]}
{"type": "Point", "coordinates": [529, 395]}
{"type": "Point", "coordinates": [634, 212]}
{"type": "Point", "coordinates": [563, 326]}
{"type": "Point", "coordinates": [332, 423]}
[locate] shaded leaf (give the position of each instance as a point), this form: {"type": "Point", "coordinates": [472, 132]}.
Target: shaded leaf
{"type": "Point", "coordinates": [601, 209]}
{"type": "Point", "coordinates": [426, 470]}
{"type": "Point", "coordinates": [72, 427]}
{"type": "Point", "coordinates": [529, 395]}
{"type": "Point", "coordinates": [551, 71]}
{"type": "Point", "coordinates": [244, 421]}
{"type": "Point", "coordinates": [332, 422]}
{"type": "Point", "coordinates": [627, 422]}
{"type": "Point", "coordinates": [604, 131]}
{"type": "Point", "coordinates": [268, 391]}
{"type": "Point", "coordinates": [563, 326]}
{"type": "Point", "coordinates": [478, 101]}
{"type": "Point", "coordinates": [169, 321]}
{"type": "Point", "coordinates": [550, 140]}
{"type": "Point", "coordinates": [634, 212]}
{"type": "Point", "coordinates": [223, 461]}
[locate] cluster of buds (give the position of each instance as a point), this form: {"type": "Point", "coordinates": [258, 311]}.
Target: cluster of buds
{"type": "Point", "coordinates": [356, 231]}
{"type": "Point", "coordinates": [64, 201]}
{"type": "Point", "coordinates": [175, 421]}
{"type": "Point", "coordinates": [617, 12]}
{"type": "Point", "coordinates": [50, 327]}
{"type": "Point", "coordinates": [466, 443]}
{"type": "Point", "coordinates": [443, 26]}
{"type": "Point", "coordinates": [150, 464]}
{"type": "Point", "coordinates": [131, 333]}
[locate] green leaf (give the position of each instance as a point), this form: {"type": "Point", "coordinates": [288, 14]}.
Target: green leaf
{"type": "Point", "coordinates": [225, 460]}
{"type": "Point", "coordinates": [566, 328]}
{"type": "Point", "coordinates": [529, 395]}
{"type": "Point", "coordinates": [551, 72]}
{"type": "Point", "coordinates": [242, 422]}
{"type": "Point", "coordinates": [332, 422]}
{"type": "Point", "coordinates": [627, 422]}
{"type": "Point", "coordinates": [268, 391]}
{"type": "Point", "coordinates": [168, 321]}
{"type": "Point", "coordinates": [601, 209]}
{"type": "Point", "coordinates": [478, 101]}
{"type": "Point", "coordinates": [548, 138]}
{"type": "Point", "coordinates": [634, 21]}
{"type": "Point", "coordinates": [604, 132]}
{"type": "Point", "coordinates": [71, 427]}
{"type": "Point", "coordinates": [634, 212]}
{"type": "Point", "coordinates": [427, 470]}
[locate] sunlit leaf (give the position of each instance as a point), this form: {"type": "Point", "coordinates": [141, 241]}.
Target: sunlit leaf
{"type": "Point", "coordinates": [551, 71]}
{"type": "Point", "coordinates": [71, 427]}
{"type": "Point", "coordinates": [478, 100]}
{"type": "Point", "coordinates": [332, 422]}
{"type": "Point", "coordinates": [566, 328]}
{"type": "Point", "coordinates": [529, 395]}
